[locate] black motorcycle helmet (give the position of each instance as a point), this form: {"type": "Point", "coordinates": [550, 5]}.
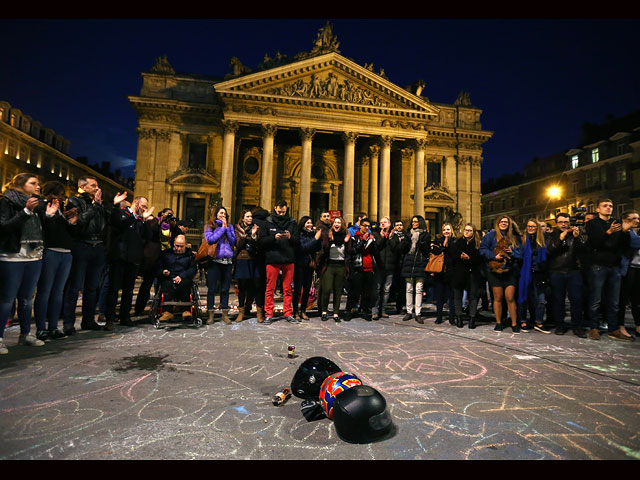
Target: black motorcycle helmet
{"type": "Point", "coordinates": [360, 415]}
{"type": "Point", "coordinates": [308, 379]}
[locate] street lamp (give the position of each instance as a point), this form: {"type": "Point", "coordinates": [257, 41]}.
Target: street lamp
{"type": "Point", "coordinates": [554, 192]}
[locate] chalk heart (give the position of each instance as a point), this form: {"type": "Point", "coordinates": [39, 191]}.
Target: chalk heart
{"type": "Point", "coordinates": [392, 368]}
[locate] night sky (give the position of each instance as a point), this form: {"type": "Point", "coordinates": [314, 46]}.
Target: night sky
{"type": "Point", "coordinates": [536, 80]}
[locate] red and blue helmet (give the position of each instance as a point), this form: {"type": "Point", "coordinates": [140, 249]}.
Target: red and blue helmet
{"type": "Point", "coordinates": [334, 385]}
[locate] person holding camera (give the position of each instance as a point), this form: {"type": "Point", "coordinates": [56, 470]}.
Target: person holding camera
{"type": "Point", "coordinates": [608, 237]}
{"type": "Point", "coordinates": [247, 270]}
{"type": "Point", "coordinates": [567, 244]}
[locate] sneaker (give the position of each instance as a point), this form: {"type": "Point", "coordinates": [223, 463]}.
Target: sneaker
{"type": "Point", "coordinates": [594, 334]}
{"type": "Point", "coordinates": [43, 335]}
{"type": "Point", "coordinates": [515, 328]}
{"type": "Point", "coordinates": [267, 321]}
{"type": "Point", "coordinates": [580, 332]}
{"type": "Point", "coordinates": [290, 319]}
{"type": "Point", "coordinates": [56, 334]}
{"type": "Point", "coordinates": [498, 327]}
{"type": "Point", "coordinates": [324, 317]}
{"type": "Point", "coordinates": [617, 334]}
{"type": "Point", "coordinates": [525, 327]}
{"type": "Point", "coordinates": [68, 331]}
{"type": "Point", "coordinates": [561, 330]}
{"type": "Point", "coordinates": [30, 340]}
{"type": "Point", "coordinates": [3, 348]}
{"type": "Point", "coordinates": [336, 318]}
{"type": "Point", "coordinates": [543, 329]}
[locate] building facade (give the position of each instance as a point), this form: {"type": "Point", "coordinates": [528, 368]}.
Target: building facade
{"type": "Point", "coordinates": [317, 130]}
{"type": "Point", "coordinates": [27, 146]}
{"type": "Point", "coordinates": [605, 165]}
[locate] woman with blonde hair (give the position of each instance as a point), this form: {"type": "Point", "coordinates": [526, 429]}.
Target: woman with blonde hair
{"type": "Point", "coordinates": [466, 273]}
{"type": "Point", "coordinates": [501, 250]}
{"type": "Point", "coordinates": [442, 281]}
{"type": "Point", "coordinates": [533, 277]}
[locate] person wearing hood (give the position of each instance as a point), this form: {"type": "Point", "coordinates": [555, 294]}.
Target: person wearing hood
{"type": "Point", "coordinates": [278, 243]}
{"type": "Point", "coordinates": [21, 251]}
{"type": "Point", "coordinates": [307, 244]}
{"type": "Point", "coordinates": [219, 231]}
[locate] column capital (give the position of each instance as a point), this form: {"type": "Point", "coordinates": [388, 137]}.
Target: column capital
{"type": "Point", "coordinates": [421, 143]}
{"type": "Point", "coordinates": [407, 152]}
{"type": "Point", "coordinates": [349, 137]}
{"type": "Point", "coordinates": [230, 126]}
{"type": "Point", "coordinates": [268, 129]}
{"type": "Point", "coordinates": [307, 133]}
{"type": "Point", "coordinates": [374, 150]}
{"type": "Point", "coordinates": [386, 141]}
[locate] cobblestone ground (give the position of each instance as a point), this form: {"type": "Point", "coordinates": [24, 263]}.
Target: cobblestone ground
{"type": "Point", "coordinates": [181, 392]}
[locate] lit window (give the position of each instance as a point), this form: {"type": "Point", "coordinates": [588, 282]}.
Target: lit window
{"type": "Point", "coordinates": [621, 174]}
{"type": "Point", "coordinates": [595, 155]}
{"type": "Point", "coordinates": [575, 161]}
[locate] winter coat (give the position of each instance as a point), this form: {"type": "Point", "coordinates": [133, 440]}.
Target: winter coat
{"type": "Point", "coordinates": [389, 252]}
{"type": "Point", "coordinates": [281, 251]}
{"type": "Point", "coordinates": [564, 255]}
{"type": "Point", "coordinates": [225, 237]}
{"type": "Point", "coordinates": [181, 265]}
{"type": "Point", "coordinates": [488, 245]}
{"type": "Point", "coordinates": [413, 264]}
{"type": "Point", "coordinates": [306, 247]}
{"type": "Point", "coordinates": [12, 220]}
{"type": "Point", "coordinates": [437, 248]}
{"type": "Point", "coordinates": [128, 236]}
{"type": "Point", "coordinates": [93, 218]}
{"type": "Point", "coordinates": [323, 259]}
{"type": "Point", "coordinates": [56, 230]}
{"type": "Point", "coordinates": [462, 270]}
{"type": "Point", "coordinates": [607, 249]}
{"type": "Point", "coordinates": [246, 245]}
{"type": "Point", "coordinates": [364, 252]}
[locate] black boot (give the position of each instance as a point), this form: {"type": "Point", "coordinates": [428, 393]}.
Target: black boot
{"type": "Point", "coordinates": [459, 322]}
{"type": "Point", "coordinates": [452, 320]}
{"type": "Point", "coordinates": [439, 320]}
{"type": "Point", "coordinates": [472, 322]}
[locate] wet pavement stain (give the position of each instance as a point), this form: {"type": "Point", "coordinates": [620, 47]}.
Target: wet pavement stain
{"type": "Point", "coordinates": [142, 362]}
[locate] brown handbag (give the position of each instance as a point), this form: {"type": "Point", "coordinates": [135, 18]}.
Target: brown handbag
{"type": "Point", "coordinates": [206, 251]}
{"type": "Point", "coordinates": [435, 264]}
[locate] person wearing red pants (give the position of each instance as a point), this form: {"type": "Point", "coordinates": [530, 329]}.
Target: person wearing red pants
{"type": "Point", "coordinates": [278, 244]}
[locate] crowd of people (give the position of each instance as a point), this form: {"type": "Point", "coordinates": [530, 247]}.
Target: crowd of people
{"type": "Point", "coordinates": [53, 247]}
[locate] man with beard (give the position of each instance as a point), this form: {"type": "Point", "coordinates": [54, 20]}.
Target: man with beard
{"type": "Point", "coordinates": [278, 243]}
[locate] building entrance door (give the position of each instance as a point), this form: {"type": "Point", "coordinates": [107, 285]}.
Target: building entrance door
{"type": "Point", "coordinates": [318, 203]}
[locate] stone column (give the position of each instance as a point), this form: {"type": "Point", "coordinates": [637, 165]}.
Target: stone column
{"type": "Point", "coordinates": [373, 181]}
{"type": "Point", "coordinates": [226, 174]}
{"type": "Point", "coordinates": [348, 177]}
{"type": "Point", "coordinates": [419, 180]}
{"type": "Point", "coordinates": [306, 134]}
{"type": "Point", "coordinates": [384, 201]}
{"type": "Point", "coordinates": [266, 179]}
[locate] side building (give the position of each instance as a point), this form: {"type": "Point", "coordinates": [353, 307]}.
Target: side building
{"type": "Point", "coordinates": [317, 130]}
{"type": "Point", "coordinates": [606, 164]}
{"type": "Point", "coordinates": [27, 146]}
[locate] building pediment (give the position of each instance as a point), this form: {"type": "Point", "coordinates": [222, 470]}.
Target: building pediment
{"type": "Point", "coordinates": [192, 177]}
{"type": "Point", "coordinates": [328, 81]}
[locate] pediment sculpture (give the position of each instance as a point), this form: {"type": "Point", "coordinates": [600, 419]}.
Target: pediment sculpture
{"type": "Point", "coordinates": [438, 192]}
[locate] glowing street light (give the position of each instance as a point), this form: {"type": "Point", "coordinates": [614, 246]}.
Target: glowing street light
{"type": "Point", "coordinates": [554, 192]}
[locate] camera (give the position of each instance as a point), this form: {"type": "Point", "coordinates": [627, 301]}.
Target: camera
{"type": "Point", "coordinates": [579, 213]}
{"type": "Point", "coordinates": [169, 218]}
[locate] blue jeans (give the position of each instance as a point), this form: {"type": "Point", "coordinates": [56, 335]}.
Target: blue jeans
{"type": "Point", "coordinates": [605, 280]}
{"type": "Point", "coordinates": [218, 272]}
{"type": "Point", "coordinates": [563, 284]}
{"type": "Point", "coordinates": [18, 280]}
{"type": "Point", "coordinates": [86, 268]}
{"type": "Point", "coordinates": [48, 303]}
{"type": "Point", "coordinates": [535, 304]}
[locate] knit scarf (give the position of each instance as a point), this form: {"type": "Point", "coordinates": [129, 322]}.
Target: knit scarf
{"type": "Point", "coordinates": [415, 236]}
{"type": "Point", "coordinates": [526, 270]}
{"type": "Point", "coordinates": [31, 238]}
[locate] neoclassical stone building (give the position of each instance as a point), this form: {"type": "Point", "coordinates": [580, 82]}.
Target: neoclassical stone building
{"type": "Point", "coordinates": [317, 129]}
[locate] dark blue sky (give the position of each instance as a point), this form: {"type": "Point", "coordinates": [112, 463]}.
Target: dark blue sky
{"type": "Point", "coordinates": [537, 80]}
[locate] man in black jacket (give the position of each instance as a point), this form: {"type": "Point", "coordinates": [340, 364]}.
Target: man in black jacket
{"type": "Point", "coordinates": [176, 269]}
{"type": "Point", "coordinates": [278, 243]}
{"type": "Point", "coordinates": [388, 248]}
{"type": "Point", "coordinates": [565, 247]}
{"type": "Point", "coordinates": [608, 237]}
{"type": "Point", "coordinates": [88, 254]}
{"type": "Point", "coordinates": [130, 231]}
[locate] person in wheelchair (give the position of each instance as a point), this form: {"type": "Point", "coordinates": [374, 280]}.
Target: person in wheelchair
{"type": "Point", "coordinates": [176, 270]}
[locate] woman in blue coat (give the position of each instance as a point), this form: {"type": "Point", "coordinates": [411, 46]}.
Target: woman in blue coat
{"type": "Point", "coordinates": [501, 249]}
